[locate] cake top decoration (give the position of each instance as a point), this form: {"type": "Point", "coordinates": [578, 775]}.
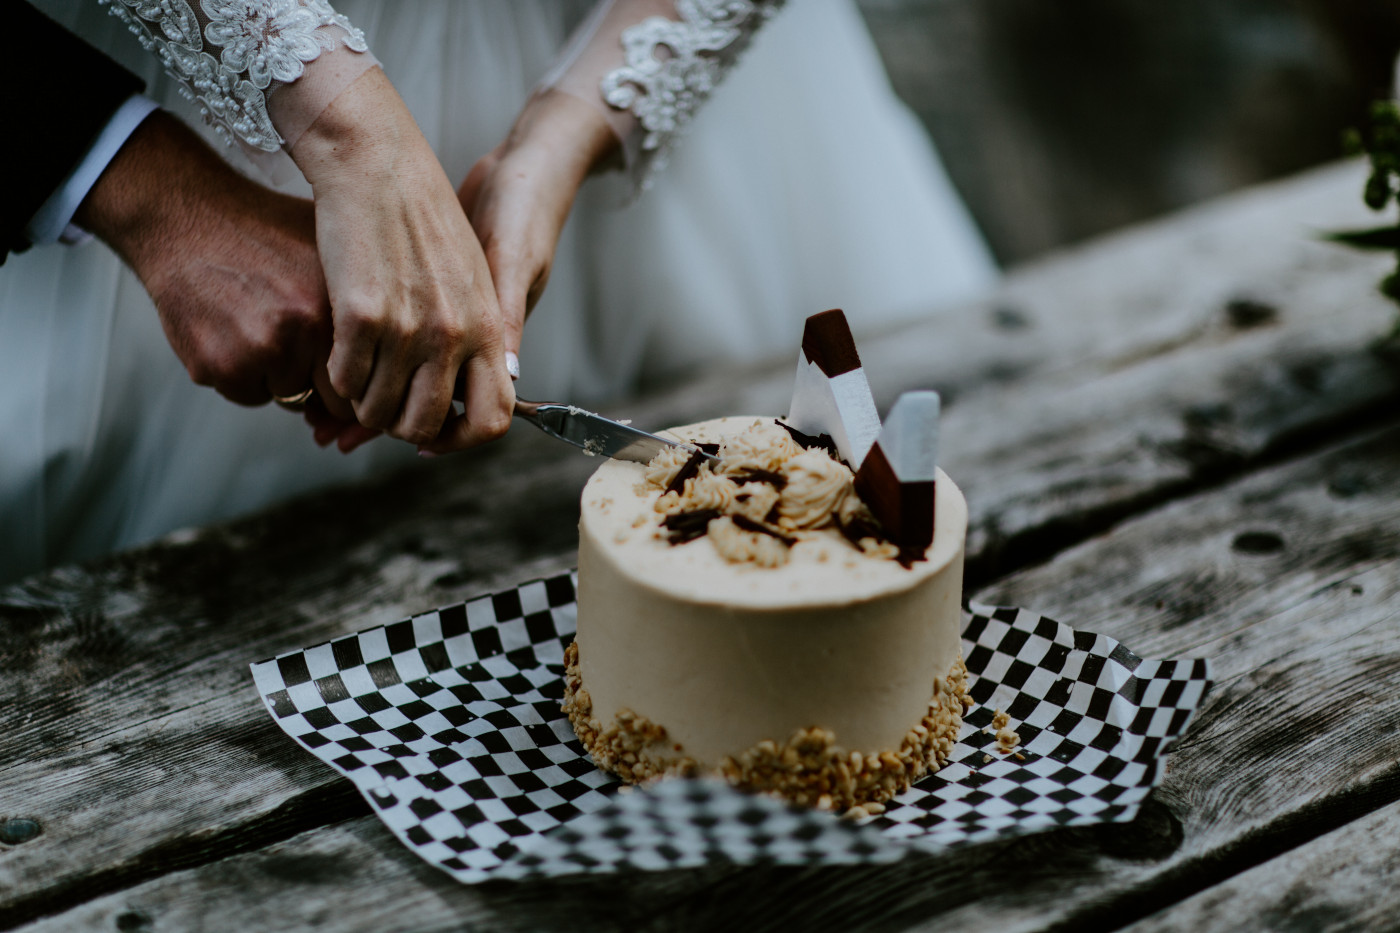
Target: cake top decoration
{"type": "Point", "coordinates": [830, 394]}
{"type": "Point", "coordinates": [896, 481]}
{"type": "Point", "coordinates": [830, 467]}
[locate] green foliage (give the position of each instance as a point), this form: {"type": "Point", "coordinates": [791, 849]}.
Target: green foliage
{"type": "Point", "coordinates": [1381, 144]}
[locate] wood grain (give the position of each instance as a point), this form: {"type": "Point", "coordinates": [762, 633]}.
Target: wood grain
{"type": "Point", "coordinates": [1348, 879]}
{"type": "Point", "coordinates": [1306, 669]}
{"type": "Point", "coordinates": [1094, 387]}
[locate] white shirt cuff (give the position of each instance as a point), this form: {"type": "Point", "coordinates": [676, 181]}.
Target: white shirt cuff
{"type": "Point", "coordinates": [53, 222]}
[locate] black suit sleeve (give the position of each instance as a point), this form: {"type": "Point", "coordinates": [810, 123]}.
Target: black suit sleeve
{"type": "Point", "coordinates": [56, 94]}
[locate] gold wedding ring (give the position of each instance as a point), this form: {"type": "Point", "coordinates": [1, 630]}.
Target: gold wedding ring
{"type": "Point", "coordinates": [295, 402]}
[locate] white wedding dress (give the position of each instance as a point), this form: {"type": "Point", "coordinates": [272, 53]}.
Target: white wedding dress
{"type": "Point", "coordinates": [801, 185]}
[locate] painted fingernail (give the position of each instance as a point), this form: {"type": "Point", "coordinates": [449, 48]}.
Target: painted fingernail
{"type": "Point", "coordinates": [513, 364]}
{"type": "Point", "coordinates": [426, 454]}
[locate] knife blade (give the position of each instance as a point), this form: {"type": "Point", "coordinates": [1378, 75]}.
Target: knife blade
{"type": "Point", "coordinates": [594, 434]}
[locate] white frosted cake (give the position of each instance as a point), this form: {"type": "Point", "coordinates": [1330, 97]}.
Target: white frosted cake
{"type": "Point", "coordinates": [751, 623]}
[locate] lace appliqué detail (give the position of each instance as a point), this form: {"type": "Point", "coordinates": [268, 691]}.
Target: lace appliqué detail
{"type": "Point", "coordinates": [673, 65]}
{"type": "Point", "coordinates": [262, 41]}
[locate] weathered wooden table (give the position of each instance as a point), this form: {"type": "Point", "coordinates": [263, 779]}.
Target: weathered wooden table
{"type": "Point", "coordinates": [1179, 436]}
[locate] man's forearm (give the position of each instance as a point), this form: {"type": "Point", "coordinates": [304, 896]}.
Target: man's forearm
{"type": "Point", "coordinates": [152, 190]}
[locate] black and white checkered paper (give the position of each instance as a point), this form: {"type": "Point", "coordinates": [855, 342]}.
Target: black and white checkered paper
{"type": "Point", "coordinates": [449, 724]}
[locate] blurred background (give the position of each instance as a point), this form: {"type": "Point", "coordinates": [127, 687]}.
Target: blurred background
{"type": "Point", "coordinates": [1060, 120]}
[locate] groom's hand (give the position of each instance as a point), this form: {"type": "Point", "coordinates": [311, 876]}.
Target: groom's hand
{"type": "Point", "coordinates": [411, 294]}
{"type": "Point", "coordinates": [232, 268]}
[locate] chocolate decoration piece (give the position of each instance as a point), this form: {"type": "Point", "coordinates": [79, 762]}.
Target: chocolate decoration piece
{"type": "Point", "coordinates": [688, 469]}
{"type": "Point", "coordinates": [748, 524]}
{"type": "Point", "coordinates": [827, 342]}
{"type": "Point", "coordinates": [904, 510]}
{"type": "Point", "coordinates": [808, 441]}
{"type": "Point", "coordinates": [687, 526]}
{"type": "Point", "coordinates": [907, 556]}
{"type": "Point", "coordinates": [756, 475]}
{"type": "Point", "coordinates": [858, 528]}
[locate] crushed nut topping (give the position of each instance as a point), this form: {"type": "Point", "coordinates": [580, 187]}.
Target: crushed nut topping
{"type": "Point", "coordinates": [809, 768]}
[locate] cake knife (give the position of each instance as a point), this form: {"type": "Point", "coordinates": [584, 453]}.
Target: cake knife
{"type": "Point", "coordinates": [594, 434]}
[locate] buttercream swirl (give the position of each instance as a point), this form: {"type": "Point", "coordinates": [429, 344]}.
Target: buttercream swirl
{"type": "Point", "coordinates": [665, 465]}
{"type": "Point", "coordinates": [761, 446]}
{"type": "Point", "coordinates": [754, 501]}
{"type": "Point", "coordinates": [709, 491]}
{"type": "Point", "coordinates": [738, 546]}
{"type": "Point", "coordinates": [817, 487]}
{"type": "Point", "coordinates": [764, 480]}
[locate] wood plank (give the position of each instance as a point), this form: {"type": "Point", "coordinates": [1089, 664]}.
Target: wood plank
{"type": "Point", "coordinates": [1309, 669]}
{"type": "Point", "coordinates": [1346, 880]}
{"type": "Point", "coordinates": [1143, 365]}
{"type": "Point", "coordinates": [130, 674]}
{"type": "Point", "coordinates": [1204, 275]}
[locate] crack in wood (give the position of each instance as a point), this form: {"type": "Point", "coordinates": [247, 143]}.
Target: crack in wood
{"type": "Point", "coordinates": [321, 806]}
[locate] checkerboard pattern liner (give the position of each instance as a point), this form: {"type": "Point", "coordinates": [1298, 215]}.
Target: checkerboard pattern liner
{"type": "Point", "coordinates": [449, 723]}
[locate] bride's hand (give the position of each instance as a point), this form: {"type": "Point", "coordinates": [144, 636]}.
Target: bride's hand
{"type": "Point", "coordinates": [411, 295]}
{"type": "Point", "coordinates": [519, 195]}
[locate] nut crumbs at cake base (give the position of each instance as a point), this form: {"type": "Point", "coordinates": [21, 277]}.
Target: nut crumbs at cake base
{"type": "Point", "coordinates": [809, 769]}
{"type": "Point", "coordinates": [1006, 739]}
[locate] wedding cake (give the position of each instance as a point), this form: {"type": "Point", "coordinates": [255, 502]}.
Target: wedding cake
{"type": "Point", "coordinates": [748, 620]}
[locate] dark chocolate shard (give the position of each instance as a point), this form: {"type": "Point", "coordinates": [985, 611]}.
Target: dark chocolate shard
{"type": "Point", "coordinates": [756, 475]}
{"type": "Point", "coordinates": [904, 510]}
{"type": "Point", "coordinates": [860, 527]}
{"type": "Point", "coordinates": [711, 449]}
{"type": "Point", "coordinates": [907, 556]}
{"type": "Point", "coordinates": [809, 441]}
{"type": "Point", "coordinates": [687, 526]}
{"type": "Point", "coordinates": [748, 524]}
{"type": "Point", "coordinates": [688, 469]}
{"type": "Point", "coordinates": [827, 342]}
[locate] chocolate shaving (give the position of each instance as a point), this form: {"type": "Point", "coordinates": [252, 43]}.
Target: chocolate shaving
{"type": "Point", "coordinates": [682, 527]}
{"type": "Point", "coordinates": [691, 467]}
{"type": "Point", "coordinates": [860, 527]}
{"type": "Point", "coordinates": [756, 475]}
{"type": "Point", "coordinates": [907, 556]}
{"type": "Point", "coordinates": [772, 516]}
{"type": "Point", "coordinates": [821, 441]}
{"type": "Point", "coordinates": [748, 524]}
{"type": "Point", "coordinates": [688, 469]}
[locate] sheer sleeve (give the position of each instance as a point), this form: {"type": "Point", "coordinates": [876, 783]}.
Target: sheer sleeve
{"type": "Point", "coordinates": [261, 71]}
{"type": "Point", "coordinates": [650, 64]}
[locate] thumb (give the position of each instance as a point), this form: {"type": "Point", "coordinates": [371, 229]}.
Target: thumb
{"type": "Point", "coordinates": [513, 296]}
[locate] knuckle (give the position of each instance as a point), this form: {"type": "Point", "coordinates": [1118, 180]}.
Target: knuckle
{"type": "Point", "coordinates": [359, 317]}
{"type": "Point", "coordinates": [419, 435]}
{"type": "Point", "coordinates": [302, 318]}
{"type": "Point", "coordinates": [374, 417]}
{"type": "Point", "coordinates": [448, 333]}
{"type": "Point", "coordinates": [268, 343]}
{"type": "Point", "coordinates": [200, 373]}
{"type": "Point", "coordinates": [493, 427]}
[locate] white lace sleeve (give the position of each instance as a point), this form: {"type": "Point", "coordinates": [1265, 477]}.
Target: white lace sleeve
{"type": "Point", "coordinates": [231, 54]}
{"type": "Point", "coordinates": [653, 63]}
